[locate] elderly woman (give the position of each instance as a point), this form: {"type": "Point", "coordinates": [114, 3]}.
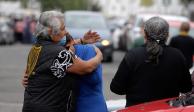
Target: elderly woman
{"type": "Point", "coordinates": [153, 71]}
{"type": "Point", "coordinates": [50, 88]}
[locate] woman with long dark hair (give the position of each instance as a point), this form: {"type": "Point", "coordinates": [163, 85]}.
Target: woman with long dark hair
{"type": "Point", "coordinates": [153, 71]}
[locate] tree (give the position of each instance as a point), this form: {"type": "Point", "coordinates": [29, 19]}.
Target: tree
{"type": "Point", "coordinates": [146, 3]}
{"type": "Point", "coordinates": [24, 3]}
{"type": "Point", "coordinates": [189, 7]}
{"type": "Point", "coordinates": [186, 2]}
{"type": "Point", "coordinates": [64, 5]}
{"type": "Point", "coordinates": [95, 7]}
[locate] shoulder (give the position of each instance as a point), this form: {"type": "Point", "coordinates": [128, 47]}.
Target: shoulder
{"type": "Point", "coordinates": [84, 50]}
{"type": "Point", "coordinates": [54, 48]}
{"type": "Point", "coordinates": [60, 51]}
{"type": "Point", "coordinates": [174, 38]}
{"type": "Point", "coordinates": [59, 47]}
{"type": "Point", "coordinates": [88, 47]}
{"type": "Point", "coordinates": [175, 52]}
{"type": "Point", "coordinates": [172, 49]}
{"type": "Point", "coordinates": [135, 53]}
{"type": "Point", "coordinates": [191, 38]}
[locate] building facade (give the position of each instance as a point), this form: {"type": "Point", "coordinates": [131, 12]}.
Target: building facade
{"type": "Point", "coordinates": [125, 8]}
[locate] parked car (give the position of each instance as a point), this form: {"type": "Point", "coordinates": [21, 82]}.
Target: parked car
{"type": "Point", "coordinates": [139, 20]}
{"type": "Point", "coordinates": [177, 104]}
{"type": "Point", "coordinates": [79, 22]}
{"type": "Point", "coordinates": [175, 29]}
{"type": "Point", "coordinates": [6, 32]}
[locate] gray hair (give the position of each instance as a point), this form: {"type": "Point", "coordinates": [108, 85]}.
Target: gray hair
{"type": "Point", "coordinates": [157, 30]}
{"type": "Point", "coordinates": [48, 19]}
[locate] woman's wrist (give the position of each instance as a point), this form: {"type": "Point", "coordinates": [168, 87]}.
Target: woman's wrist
{"type": "Point", "coordinates": [82, 41]}
{"type": "Point", "coordinates": [98, 53]}
{"type": "Point", "coordinates": [77, 41]}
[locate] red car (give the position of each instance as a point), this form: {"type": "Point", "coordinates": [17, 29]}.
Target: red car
{"type": "Point", "coordinates": [164, 105]}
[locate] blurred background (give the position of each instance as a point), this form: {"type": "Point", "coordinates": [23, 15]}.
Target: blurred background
{"type": "Point", "coordinates": [118, 22]}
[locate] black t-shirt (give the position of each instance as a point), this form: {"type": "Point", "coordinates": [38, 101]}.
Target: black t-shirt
{"type": "Point", "coordinates": [50, 88]}
{"type": "Point", "coordinates": [186, 45]}
{"type": "Point", "coordinates": [142, 81]}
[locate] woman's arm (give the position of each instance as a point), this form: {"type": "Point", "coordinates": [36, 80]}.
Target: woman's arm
{"type": "Point", "coordinates": [120, 82]}
{"type": "Point", "coordinates": [82, 67]}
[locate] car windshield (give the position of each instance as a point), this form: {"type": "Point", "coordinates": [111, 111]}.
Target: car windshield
{"type": "Point", "coordinates": [173, 31]}
{"type": "Point", "coordinates": [85, 21]}
{"type": "Point", "coordinates": [191, 32]}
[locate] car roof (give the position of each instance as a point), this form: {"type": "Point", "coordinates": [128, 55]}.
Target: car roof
{"type": "Point", "coordinates": [192, 24]}
{"type": "Point", "coordinates": [167, 17]}
{"type": "Point", "coordinates": [82, 13]}
{"type": "Point", "coordinates": [4, 20]}
{"type": "Point", "coordinates": [178, 24]}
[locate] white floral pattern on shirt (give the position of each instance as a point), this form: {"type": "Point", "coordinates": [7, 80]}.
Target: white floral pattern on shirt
{"type": "Point", "coordinates": [61, 63]}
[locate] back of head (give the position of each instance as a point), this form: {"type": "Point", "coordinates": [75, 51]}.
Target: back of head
{"type": "Point", "coordinates": [156, 31]}
{"type": "Point", "coordinates": [185, 27]}
{"type": "Point", "coordinates": [48, 19]}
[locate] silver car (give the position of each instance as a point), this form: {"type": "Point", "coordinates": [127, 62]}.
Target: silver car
{"type": "Point", "coordinates": [79, 22]}
{"type": "Point", "coordinates": [6, 32]}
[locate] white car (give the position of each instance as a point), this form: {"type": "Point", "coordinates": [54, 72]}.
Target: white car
{"type": "Point", "coordinates": [135, 31]}
{"type": "Point", "coordinates": [6, 32]}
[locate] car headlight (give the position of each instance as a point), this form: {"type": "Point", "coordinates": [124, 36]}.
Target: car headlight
{"type": "Point", "coordinates": [105, 42]}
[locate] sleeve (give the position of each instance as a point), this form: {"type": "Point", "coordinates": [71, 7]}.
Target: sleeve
{"type": "Point", "coordinates": [119, 84]}
{"type": "Point", "coordinates": [60, 64]}
{"type": "Point", "coordinates": [85, 52]}
{"type": "Point", "coordinates": [90, 52]}
{"type": "Point", "coordinates": [172, 43]}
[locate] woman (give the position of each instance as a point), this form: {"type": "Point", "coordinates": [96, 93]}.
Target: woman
{"type": "Point", "coordinates": [89, 92]}
{"type": "Point", "coordinates": [153, 71]}
{"type": "Point", "coordinates": [90, 96]}
{"type": "Point", "coordinates": [50, 88]}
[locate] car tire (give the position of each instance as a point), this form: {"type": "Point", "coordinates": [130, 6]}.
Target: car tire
{"type": "Point", "coordinates": [3, 42]}
{"type": "Point", "coordinates": [109, 59]}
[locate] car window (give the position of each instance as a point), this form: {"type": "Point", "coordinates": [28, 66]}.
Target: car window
{"type": "Point", "coordinates": [139, 23]}
{"type": "Point", "coordinates": [85, 21]}
{"type": "Point", "coordinates": [173, 31]}
{"type": "Point", "coordinates": [191, 32]}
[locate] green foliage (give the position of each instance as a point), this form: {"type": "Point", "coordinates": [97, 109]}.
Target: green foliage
{"type": "Point", "coordinates": [8, 0]}
{"type": "Point", "coordinates": [24, 3]}
{"type": "Point", "coordinates": [95, 7]}
{"type": "Point", "coordinates": [146, 3]}
{"type": "Point", "coordinates": [64, 5]}
{"type": "Point", "coordinates": [186, 2]}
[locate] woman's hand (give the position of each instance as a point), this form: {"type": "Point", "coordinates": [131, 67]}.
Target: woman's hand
{"type": "Point", "coordinates": [90, 37]}
{"type": "Point", "coordinates": [25, 80]}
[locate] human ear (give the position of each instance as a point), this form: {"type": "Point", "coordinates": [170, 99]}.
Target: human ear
{"type": "Point", "coordinates": [145, 35]}
{"type": "Point", "coordinates": [49, 31]}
